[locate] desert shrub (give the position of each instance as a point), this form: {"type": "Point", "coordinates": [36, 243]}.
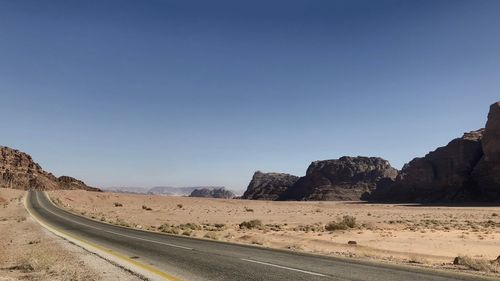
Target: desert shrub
{"type": "Point", "coordinates": [346, 223]}
{"type": "Point", "coordinates": [187, 232]}
{"type": "Point", "coordinates": [118, 204]}
{"type": "Point", "coordinates": [144, 207]}
{"type": "Point", "coordinates": [248, 209]}
{"type": "Point", "coordinates": [190, 226]}
{"type": "Point", "coordinates": [211, 235]}
{"type": "Point", "coordinates": [251, 224]}
{"type": "Point", "coordinates": [166, 228]}
{"type": "Point", "coordinates": [121, 222]}
{"type": "Point", "coordinates": [475, 264]}
{"type": "Point", "coordinates": [309, 228]}
{"type": "Point", "coordinates": [214, 227]}
{"type": "Point", "coordinates": [179, 206]}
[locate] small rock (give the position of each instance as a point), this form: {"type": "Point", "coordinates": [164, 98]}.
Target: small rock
{"type": "Point", "coordinates": [352, 243]}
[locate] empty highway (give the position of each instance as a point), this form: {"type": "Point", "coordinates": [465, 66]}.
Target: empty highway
{"type": "Point", "coordinates": [184, 258]}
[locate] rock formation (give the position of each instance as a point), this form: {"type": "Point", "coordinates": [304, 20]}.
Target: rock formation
{"type": "Point", "coordinates": [19, 171]}
{"type": "Point", "coordinates": [486, 174]}
{"type": "Point", "coordinates": [465, 170]}
{"type": "Point", "coordinates": [347, 178]}
{"type": "Point", "coordinates": [212, 193]}
{"type": "Point", "coordinates": [268, 186]}
{"type": "Point", "coordinates": [441, 175]}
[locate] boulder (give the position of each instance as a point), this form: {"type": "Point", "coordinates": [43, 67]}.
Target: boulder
{"type": "Point", "coordinates": [346, 178]}
{"type": "Point", "coordinates": [268, 186]}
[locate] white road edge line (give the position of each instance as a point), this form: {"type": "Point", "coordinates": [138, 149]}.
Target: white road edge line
{"type": "Point", "coordinates": [286, 267]}
{"type": "Point", "coordinates": [119, 234]}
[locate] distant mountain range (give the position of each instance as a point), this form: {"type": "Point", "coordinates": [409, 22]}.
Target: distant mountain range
{"type": "Point", "coordinates": [161, 190]}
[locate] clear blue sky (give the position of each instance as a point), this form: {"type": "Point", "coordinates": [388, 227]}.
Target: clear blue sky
{"type": "Point", "coordinates": [144, 93]}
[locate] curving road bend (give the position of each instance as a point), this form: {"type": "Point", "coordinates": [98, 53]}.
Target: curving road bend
{"type": "Point", "coordinates": [194, 259]}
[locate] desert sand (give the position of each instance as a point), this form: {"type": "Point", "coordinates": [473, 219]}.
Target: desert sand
{"type": "Point", "coordinates": [29, 252]}
{"type": "Point", "coordinates": [421, 235]}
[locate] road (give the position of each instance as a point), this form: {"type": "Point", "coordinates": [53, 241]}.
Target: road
{"type": "Point", "coordinates": [195, 259]}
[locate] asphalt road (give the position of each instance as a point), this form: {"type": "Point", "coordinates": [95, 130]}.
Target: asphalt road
{"type": "Point", "coordinates": [194, 259]}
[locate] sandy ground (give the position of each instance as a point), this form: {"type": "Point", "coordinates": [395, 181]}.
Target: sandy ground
{"type": "Point", "coordinates": [29, 252]}
{"type": "Point", "coordinates": [419, 235]}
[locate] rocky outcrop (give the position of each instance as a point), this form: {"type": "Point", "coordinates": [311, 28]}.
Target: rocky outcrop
{"type": "Point", "coordinates": [486, 174]}
{"type": "Point", "coordinates": [465, 170]}
{"type": "Point", "coordinates": [441, 175]}
{"type": "Point", "coordinates": [268, 186]}
{"type": "Point", "coordinates": [212, 193]}
{"type": "Point", "coordinates": [19, 171]}
{"type": "Point", "coordinates": [347, 178]}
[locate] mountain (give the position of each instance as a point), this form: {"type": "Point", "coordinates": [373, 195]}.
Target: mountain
{"type": "Point", "coordinates": [212, 193]}
{"type": "Point", "coordinates": [126, 189]}
{"type": "Point", "coordinates": [19, 171]}
{"type": "Point", "coordinates": [466, 169]}
{"type": "Point", "coordinates": [441, 175]}
{"type": "Point", "coordinates": [346, 178]}
{"type": "Point", "coordinates": [268, 186]}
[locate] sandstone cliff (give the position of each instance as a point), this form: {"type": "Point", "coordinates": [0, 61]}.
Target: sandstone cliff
{"type": "Point", "coordinates": [19, 171]}
{"type": "Point", "coordinates": [268, 186]}
{"type": "Point", "coordinates": [486, 173]}
{"type": "Point", "coordinates": [465, 170]}
{"type": "Point", "coordinates": [347, 178]}
{"type": "Point", "coordinates": [441, 175]}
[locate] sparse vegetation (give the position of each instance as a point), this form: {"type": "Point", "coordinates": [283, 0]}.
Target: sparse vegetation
{"type": "Point", "coordinates": [251, 224]}
{"type": "Point", "coordinates": [346, 223]}
{"type": "Point", "coordinates": [179, 206]}
{"type": "Point", "coordinates": [248, 209]}
{"type": "Point", "coordinates": [476, 264]}
{"type": "Point", "coordinates": [211, 235]}
{"type": "Point", "coordinates": [144, 207]}
{"type": "Point", "coordinates": [118, 204]}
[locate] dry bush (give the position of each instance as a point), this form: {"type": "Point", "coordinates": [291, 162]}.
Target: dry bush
{"type": "Point", "coordinates": [211, 235]}
{"type": "Point", "coordinates": [117, 204]}
{"type": "Point", "coordinates": [346, 223]}
{"type": "Point", "coordinates": [477, 264]}
{"type": "Point", "coordinates": [251, 224]}
{"type": "Point", "coordinates": [144, 207]}
{"type": "Point", "coordinates": [171, 229]}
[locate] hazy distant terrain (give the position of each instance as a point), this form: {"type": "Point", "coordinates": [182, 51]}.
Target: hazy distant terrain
{"type": "Point", "coordinates": [162, 190]}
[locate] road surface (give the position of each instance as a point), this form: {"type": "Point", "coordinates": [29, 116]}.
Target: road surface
{"type": "Point", "coordinates": [194, 259]}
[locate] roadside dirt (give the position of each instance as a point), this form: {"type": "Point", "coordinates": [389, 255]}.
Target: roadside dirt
{"type": "Point", "coordinates": [29, 252]}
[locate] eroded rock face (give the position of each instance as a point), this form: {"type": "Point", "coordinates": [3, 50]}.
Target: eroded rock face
{"type": "Point", "coordinates": [442, 175]}
{"type": "Point", "coordinates": [487, 172]}
{"type": "Point", "coordinates": [268, 186]}
{"type": "Point", "coordinates": [347, 178]}
{"type": "Point", "coordinates": [212, 193]}
{"type": "Point", "coordinates": [19, 171]}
